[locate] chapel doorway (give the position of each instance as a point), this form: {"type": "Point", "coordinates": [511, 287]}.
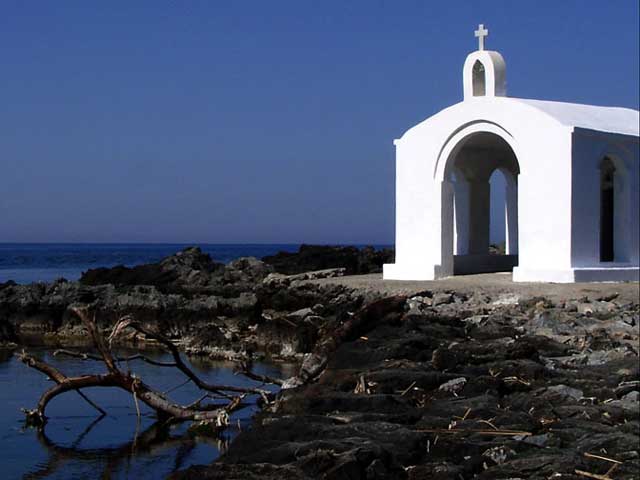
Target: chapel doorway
{"type": "Point", "coordinates": [483, 176]}
{"type": "Point", "coordinates": [607, 204]}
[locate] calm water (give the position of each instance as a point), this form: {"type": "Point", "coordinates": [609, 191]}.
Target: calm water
{"type": "Point", "coordinates": [33, 262]}
{"type": "Point", "coordinates": [76, 446]}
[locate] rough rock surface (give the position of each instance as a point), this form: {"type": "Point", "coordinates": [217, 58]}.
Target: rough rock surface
{"type": "Point", "coordinates": [7, 331]}
{"type": "Point", "coordinates": [189, 270]}
{"type": "Point", "coordinates": [470, 387]}
{"type": "Point", "coordinates": [223, 311]}
{"type": "Point", "coordinates": [485, 381]}
{"type": "Point", "coordinates": [318, 257]}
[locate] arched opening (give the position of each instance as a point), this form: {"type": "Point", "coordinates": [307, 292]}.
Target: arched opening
{"type": "Point", "coordinates": [607, 210]}
{"type": "Point", "coordinates": [479, 80]}
{"type": "Point", "coordinates": [616, 211]}
{"type": "Point", "coordinates": [482, 162]}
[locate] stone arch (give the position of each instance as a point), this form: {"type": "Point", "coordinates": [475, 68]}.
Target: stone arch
{"type": "Point", "coordinates": [614, 194]}
{"type": "Point", "coordinates": [456, 140]}
{"type": "Point", "coordinates": [607, 207]}
{"type": "Point", "coordinates": [465, 201]}
{"type": "Point", "coordinates": [479, 79]}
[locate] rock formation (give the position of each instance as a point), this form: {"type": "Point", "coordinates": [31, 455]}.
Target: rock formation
{"type": "Point", "coordinates": [437, 384]}
{"type": "Point", "coordinates": [319, 257]}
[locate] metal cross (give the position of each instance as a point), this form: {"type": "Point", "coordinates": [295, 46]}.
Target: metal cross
{"type": "Point", "coordinates": [481, 33]}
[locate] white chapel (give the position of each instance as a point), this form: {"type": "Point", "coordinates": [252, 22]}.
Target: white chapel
{"type": "Point", "coordinates": [571, 201]}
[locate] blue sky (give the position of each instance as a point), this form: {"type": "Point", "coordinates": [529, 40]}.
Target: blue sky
{"type": "Point", "coordinates": [257, 121]}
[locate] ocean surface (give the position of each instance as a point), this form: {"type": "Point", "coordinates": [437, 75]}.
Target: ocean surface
{"type": "Point", "coordinates": [44, 262]}
{"type": "Point", "coordinates": [78, 444]}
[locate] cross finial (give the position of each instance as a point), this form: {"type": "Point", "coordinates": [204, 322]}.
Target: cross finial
{"type": "Point", "coordinates": [481, 33]}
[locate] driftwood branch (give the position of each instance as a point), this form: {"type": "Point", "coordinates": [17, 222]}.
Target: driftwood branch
{"type": "Point", "coordinates": [98, 358]}
{"type": "Point", "coordinates": [114, 377]}
{"type": "Point", "coordinates": [223, 390]}
{"type": "Point", "coordinates": [245, 369]}
{"type": "Point", "coordinates": [55, 375]}
{"type": "Point", "coordinates": [128, 322]}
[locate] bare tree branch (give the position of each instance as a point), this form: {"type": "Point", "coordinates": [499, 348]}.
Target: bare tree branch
{"type": "Point", "coordinates": [165, 408]}
{"type": "Point", "coordinates": [98, 358]}
{"type": "Point", "coordinates": [245, 369]}
{"type": "Point", "coordinates": [128, 322]}
{"type": "Point", "coordinates": [96, 337]}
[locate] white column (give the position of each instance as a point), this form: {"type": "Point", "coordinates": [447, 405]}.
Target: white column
{"type": "Point", "coordinates": [511, 214]}
{"type": "Point", "coordinates": [447, 230]}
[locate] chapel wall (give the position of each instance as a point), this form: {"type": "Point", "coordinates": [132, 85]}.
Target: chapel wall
{"type": "Point", "coordinates": [588, 151]}
{"type": "Point", "coordinates": [417, 204]}
{"type": "Point", "coordinates": [544, 198]}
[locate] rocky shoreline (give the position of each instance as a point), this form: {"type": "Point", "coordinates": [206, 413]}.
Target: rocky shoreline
{"type": "Point", "coordinates": [446, 386]}
{"type": "Point", "coordinates": [222, 311]}
{"type": "Point", "coordinates": [429, 384]}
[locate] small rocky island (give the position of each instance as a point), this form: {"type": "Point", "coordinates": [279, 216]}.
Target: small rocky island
{"type": "Point", "coordinates": [468, 378]}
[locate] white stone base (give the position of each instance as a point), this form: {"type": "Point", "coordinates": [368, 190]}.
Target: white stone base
{"type": "Point", "coordinates": [573, 275]}
{"type": "Point", "coordinates": [396, 271]}
{"type": "Point", "coordinates": [620, 273]}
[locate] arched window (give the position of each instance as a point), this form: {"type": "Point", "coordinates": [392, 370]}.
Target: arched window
{"type": "Point", "coordinates": [479, 80]}
{"type": "Point", "coordinates": [607, 199]}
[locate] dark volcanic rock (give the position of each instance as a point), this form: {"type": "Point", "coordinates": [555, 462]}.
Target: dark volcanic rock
{"type": "Point", "coordinates": [411, 392]}
{"type": "Point", "coordinates": [223, 311]}
{"type": "Point", "coordinates": [439, 385]}
{"type": "Point", "coordinates": [7, 333]}
{"type": "Point", "coordinates": [120, 275]}
{"type": "Point", "coordinates": [187, 272]}
{"type": "Point", "coordinates": [189, 268]}
{"type": "Point", "coordinates": [319, 257]}
{"type": "Point", "coordinates": [265, 471]}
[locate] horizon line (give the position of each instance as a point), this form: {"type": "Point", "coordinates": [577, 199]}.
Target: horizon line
{"type": "Point", "coordinates": [197, 243]}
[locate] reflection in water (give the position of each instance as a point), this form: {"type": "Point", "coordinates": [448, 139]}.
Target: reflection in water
{"type": "Point", "coordinates": [76, 445]}
{"type": "Point", "coordinates": [151, 442]}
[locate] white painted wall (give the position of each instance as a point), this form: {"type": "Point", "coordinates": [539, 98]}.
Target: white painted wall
{"type": "Point", "coordinates": [421, 160]}
{"type": "Point", "coordinates": [556, 185]}
{"type": "Point", "coordinates": [548, 180]}
{"type": "Point", "coordinates": [589, 149]}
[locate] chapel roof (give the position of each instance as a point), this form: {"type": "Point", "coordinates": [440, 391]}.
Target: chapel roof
{"type": "Point", "coordinates": [485, 97]}
{"type": "Point", "coordinates": [624, 121]}
{"type": "Point", "coordinates": [508, 111]}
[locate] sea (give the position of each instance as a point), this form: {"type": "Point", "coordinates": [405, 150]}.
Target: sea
{"type": "Point", "coordinates": [76, 443]}
{"type": "Point", "coordinates": [45, 262]}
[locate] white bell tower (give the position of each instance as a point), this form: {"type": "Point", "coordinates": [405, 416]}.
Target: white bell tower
{"type": "Point", "coordinates": [485, 72]}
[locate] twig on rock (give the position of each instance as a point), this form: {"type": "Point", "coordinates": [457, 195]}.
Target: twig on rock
{"type": "Point", "coordinates": [592, 475]}
{"type": "Point", "coordinates": [488, 423]}
{"type": "Point", "coordinates": [475, 431]}
{"type": "Point", "coordinates": [406, 390]}
{"type": "Point", "coordinates": [600, 457]}
{"type": "Point", "coordinates": [361, 386]}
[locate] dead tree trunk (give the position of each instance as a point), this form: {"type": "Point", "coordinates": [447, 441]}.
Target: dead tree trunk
{"type": "Point", "coordinates": [114, 377]}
